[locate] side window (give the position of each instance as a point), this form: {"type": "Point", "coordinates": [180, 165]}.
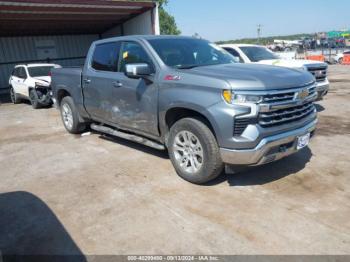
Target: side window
{"type": "Point", "coordinates": [22, 73]}
{"type": "Point", "coordinates": [234, 53]}
{"type": "Point", "coordinates": [105, 57]}
{"type": "Point", "coordinates": [15, 72]}
{"type": "Point", "coordinates": [131, 53]}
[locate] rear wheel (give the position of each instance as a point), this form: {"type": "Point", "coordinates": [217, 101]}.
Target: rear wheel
{"type": "Point", "coordinates": [70, 116]}
{"type": "Point", "coordinates": [194, 151]}
{"type": "Point", "coordinates": [14, 96]}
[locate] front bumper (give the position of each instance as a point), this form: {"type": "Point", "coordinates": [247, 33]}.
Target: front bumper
{"type": "Point", "coordinates": [269, 149]}
{"type": "Point", "coordinates": [322, 89]}
{"type": "Point", "coordinates": [44, 94]}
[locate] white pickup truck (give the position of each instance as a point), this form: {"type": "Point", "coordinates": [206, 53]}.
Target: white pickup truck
{"type": "Point", "coordinates": [31, 82]}
{"type": "Point", "coordinates": [261, 55]}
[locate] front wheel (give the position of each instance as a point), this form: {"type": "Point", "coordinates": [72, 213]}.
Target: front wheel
{"type": "Point", "coordinates": [70, 116]}
{"type": "Point", "coordinates": [34, 100]}
{"type": "Point", "coordinates": [14, 96]}
{"type": "Point", "coordinates": [194, 152]}
{"type": "Point", "coordinates": [340, 61]}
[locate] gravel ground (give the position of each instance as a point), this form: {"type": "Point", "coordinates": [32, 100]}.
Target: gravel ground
{"type": "Point", "coordinates": [65, 194]}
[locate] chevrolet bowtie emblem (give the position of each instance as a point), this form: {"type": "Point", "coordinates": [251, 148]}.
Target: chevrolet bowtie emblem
{"type": "Point", "coordinates": [301, 95]}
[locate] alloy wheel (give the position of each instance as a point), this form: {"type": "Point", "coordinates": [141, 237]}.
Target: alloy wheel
{"type": "Point", "coordinates": [67, 116]}
{"type": "Point", "coordinates": [188, 152]}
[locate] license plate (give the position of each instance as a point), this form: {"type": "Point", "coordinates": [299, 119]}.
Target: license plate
{"type": "Point", "coordinates": [303, 141]}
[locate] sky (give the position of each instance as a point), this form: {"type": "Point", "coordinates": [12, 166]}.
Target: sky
{"type": "Point", "coordinates": [218, 20]}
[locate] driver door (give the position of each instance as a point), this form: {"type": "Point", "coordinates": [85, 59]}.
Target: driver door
{"type": "Point", "coordinates": [136, 100]}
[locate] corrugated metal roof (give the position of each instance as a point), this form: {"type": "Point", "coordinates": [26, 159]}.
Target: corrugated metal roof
{"type": "Point", "coordinates": [45, 17]}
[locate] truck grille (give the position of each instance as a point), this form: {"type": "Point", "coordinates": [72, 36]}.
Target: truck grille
{"type": "Point", "coordinates": [284, 116]}
{"type": "Point", "coordinates": [279, 108]}
{"type": "Point", "coordinates": [284, 97]}
{"type": "Point", "coordinates": [320, 73]}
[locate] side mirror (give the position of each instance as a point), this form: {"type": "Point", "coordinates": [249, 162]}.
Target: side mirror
{"type": "Point", "coordinates": [138, 70]}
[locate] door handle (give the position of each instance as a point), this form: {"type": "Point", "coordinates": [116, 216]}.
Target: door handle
{"type": "Point", "coordinates": [87, 81]}
{"type": "Point", "coordinates": [117, 84]}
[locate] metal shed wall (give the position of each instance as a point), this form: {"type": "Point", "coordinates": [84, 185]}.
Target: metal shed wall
{"type": "Point", "coordinates": [70, 50]}
{"type": "Point", "coordinates": [113, 32]}
{"type": "Point", "coordinates": [140, 25]}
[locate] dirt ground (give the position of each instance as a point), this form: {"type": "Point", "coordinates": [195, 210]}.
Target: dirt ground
{"type": "Point", "coordinates": [65, 194]}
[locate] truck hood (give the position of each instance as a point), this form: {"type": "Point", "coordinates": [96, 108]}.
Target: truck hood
{"type": "Point", "coordinates": [292, 63]}
{"type": "Point", "coordinates": [256, 77]}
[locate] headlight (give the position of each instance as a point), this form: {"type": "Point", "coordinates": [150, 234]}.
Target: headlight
{"type": "Point", "coordinates": [232, 98]}
{"type": "Point", "coordinates": [237, 98]}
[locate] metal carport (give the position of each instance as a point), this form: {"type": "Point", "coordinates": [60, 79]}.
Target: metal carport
{"type": "Point", "coordinates": [61, 31]}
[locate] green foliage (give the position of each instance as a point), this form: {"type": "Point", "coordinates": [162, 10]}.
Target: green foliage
{"type": "Point", "coordinates": [266, 40]}
{"type": "Point", "coordinates": [167, 22]}
{"type": "Point", "coordinates": [162, 3]}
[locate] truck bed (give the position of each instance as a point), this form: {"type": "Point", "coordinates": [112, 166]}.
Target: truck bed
{"type": "Point", "coordinates": [68, 78]}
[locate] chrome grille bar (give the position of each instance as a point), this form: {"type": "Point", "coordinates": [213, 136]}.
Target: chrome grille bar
{"type": "Point", "coordinates": [286, 117]}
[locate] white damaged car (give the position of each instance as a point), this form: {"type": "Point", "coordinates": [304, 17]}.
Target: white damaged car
{"type": "Point", "coordinates": [32, 82]}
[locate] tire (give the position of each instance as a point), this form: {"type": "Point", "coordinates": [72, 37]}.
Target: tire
{"type": "Point", "coordinates": [70, 116]}
{"type": "Point", "coordinates": [340, 61]}
{"type": "Point", "coordinates": [194, 165]}
{"type": "Point", "coordinates": [33, 97]}
{"type": "Point", "coordinates": [14, 96]}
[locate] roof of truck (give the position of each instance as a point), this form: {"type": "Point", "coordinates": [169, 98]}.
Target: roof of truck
{"type": "Point", "coordinates": [144, 37]}
{"type": "Point", "coordinates": [240, 45]}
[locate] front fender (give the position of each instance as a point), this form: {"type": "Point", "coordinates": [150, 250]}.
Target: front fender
{"type": "Point", "coordinates": [198, 99]}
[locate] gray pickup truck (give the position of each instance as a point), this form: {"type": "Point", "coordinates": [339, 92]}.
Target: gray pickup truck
{"type": "Point", "coordinates": [188, 96]}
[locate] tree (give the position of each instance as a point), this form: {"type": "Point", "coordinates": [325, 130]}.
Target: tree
{"type": "Point", "coordinates": [166, 21]}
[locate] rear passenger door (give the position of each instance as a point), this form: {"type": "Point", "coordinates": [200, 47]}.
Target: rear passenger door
{"type": "Point", "coordinates": [99, 77]}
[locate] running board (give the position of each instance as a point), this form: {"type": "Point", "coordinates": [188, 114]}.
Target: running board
{"type": "Point", "coordinates": [131, 137]}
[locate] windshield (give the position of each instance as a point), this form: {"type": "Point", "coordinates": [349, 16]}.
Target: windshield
{"type": "Point", "coordinates": [39, 71]}
{"type": "Point", "coordinates": [185, 53]}
{"type": "Point", "coordinates": [256, 53]}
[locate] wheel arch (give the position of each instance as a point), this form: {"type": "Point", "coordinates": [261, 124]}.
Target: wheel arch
{"type": "Point", "coordinates": [62, 93]}
{"type": "Point", "coordinates": [175, 113]}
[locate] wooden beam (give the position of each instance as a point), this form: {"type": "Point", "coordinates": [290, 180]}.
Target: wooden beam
{"type": "Point", "coordinates": [109, 3]}
{"type": "Point", "coordinates": [13, 8]}
{"type": "Point", "coordinates": [63, 17]}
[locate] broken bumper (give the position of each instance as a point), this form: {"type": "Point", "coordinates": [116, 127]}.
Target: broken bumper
{"type": "Point", "coordinates": [269, 149]}
{"type": "Point", "coordinates": [322, 89]}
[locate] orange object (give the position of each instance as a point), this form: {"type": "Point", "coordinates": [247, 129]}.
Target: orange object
{"type": "Point", "coordinates": [346, 60]}
{"type": "Point", "coordinates": [320, 58]}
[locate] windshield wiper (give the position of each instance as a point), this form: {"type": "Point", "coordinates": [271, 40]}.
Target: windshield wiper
{"type": "Point", "coordinates": [187, 66]}
{"type": "Point", "coordinates": [193, 66]}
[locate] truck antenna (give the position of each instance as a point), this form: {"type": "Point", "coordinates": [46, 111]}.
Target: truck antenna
{"type": "Point", "coordinates": [259, 30]}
